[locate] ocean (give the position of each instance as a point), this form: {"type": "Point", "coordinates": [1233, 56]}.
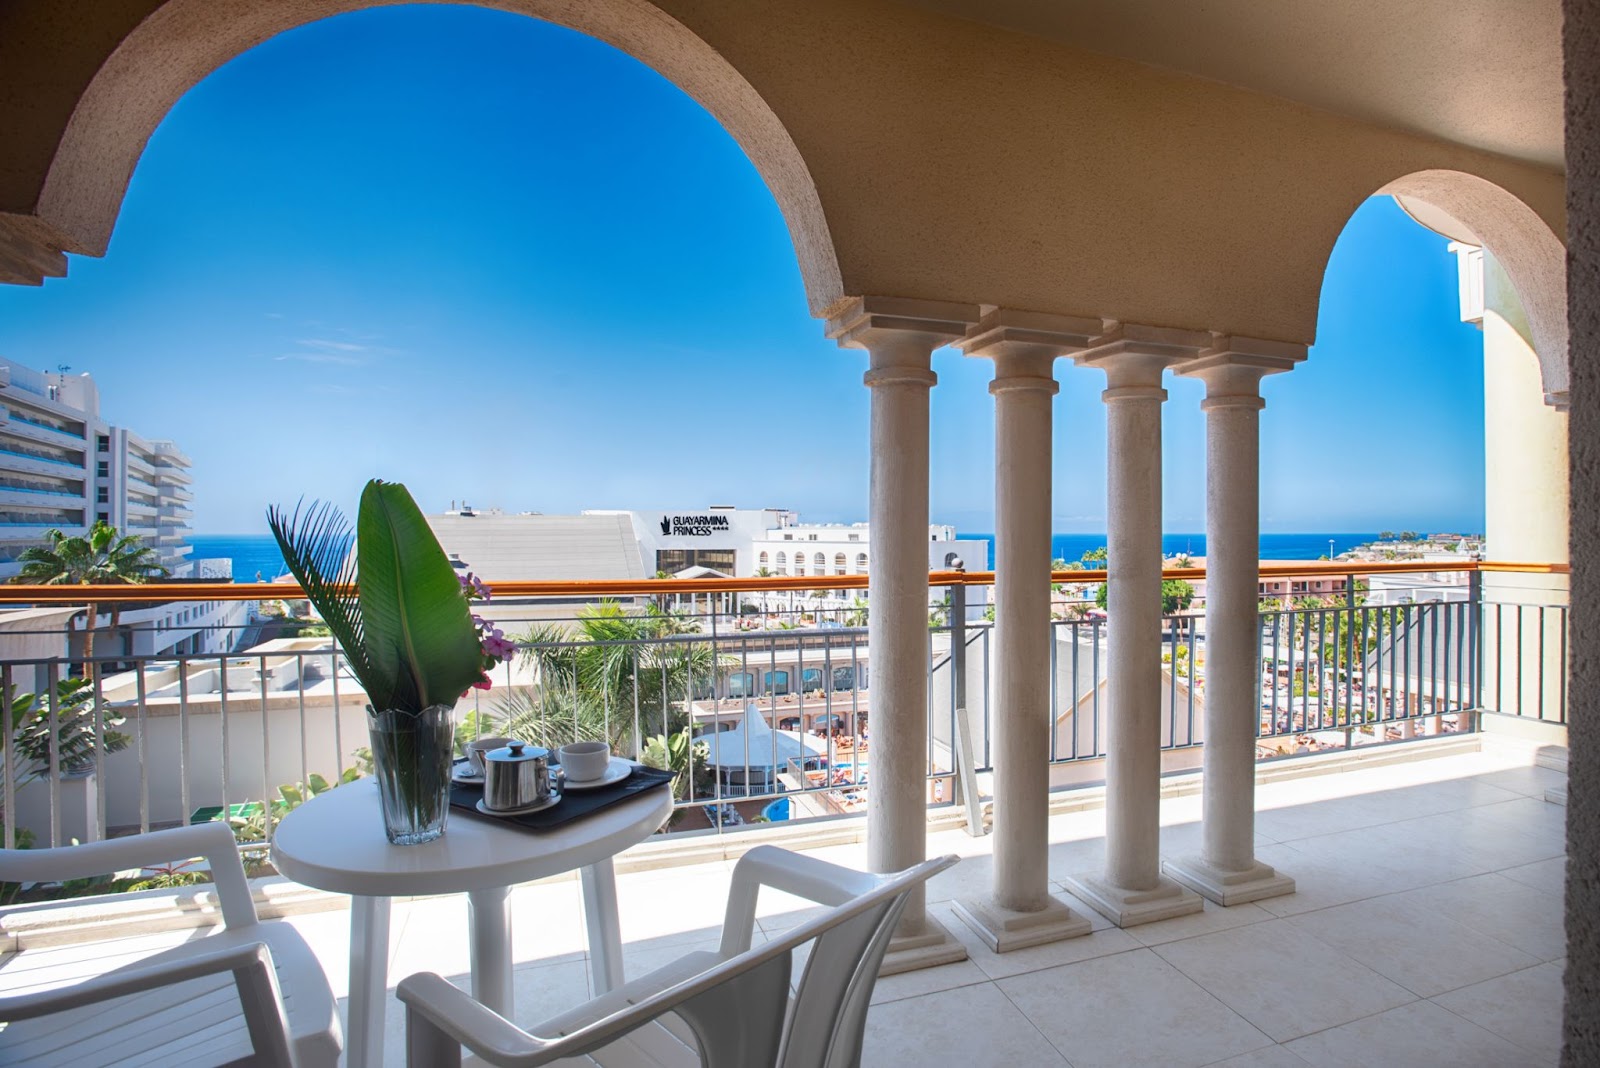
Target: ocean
{"type": "Point", "coordinates": [258, 553]}
{"type": "Point", "coordinates": [1310, 546]}
{"type": "Point", "coordinates": [251, 554]}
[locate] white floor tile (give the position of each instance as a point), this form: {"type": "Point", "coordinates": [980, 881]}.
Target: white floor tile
{"type": "Point", "coordinates": [1519, 915]}
{"type": "Point", "coordinates": [1266, 1057]}
{"type": "Point", "coordinates": [1421, 1033]}
{"type": "Point", "coordinates": [1547, 875]}
{"type": "Point", "coordinates": [1212, 918]}
{"type": "Point", "coordinates": [1168, 1019]}
{"type": "Point", "coordinates": [1413, 944]}
{"type": "Point", "coordinates": [1282, 981]}
{"type": "Point", "coordinates": [1524, 1008]}
{"type": "Point", "coordinates": [971, 1025]}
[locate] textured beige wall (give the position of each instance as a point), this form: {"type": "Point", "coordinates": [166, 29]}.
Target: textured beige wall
{"type": "Point", "coordinates": [937, 158]}
{"type": "Point", "coordinates": [1582, 47]}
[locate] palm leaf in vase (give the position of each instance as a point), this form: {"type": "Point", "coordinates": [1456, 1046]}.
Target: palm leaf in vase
{"type": "Point", "coordinates": [419, 630]}
{"type": "Point", "coordinates": [394, 605]}
{"type": "Point", "coordinates": [401, 614]}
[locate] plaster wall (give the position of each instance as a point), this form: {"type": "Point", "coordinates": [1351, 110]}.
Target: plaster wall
{"type": "Point", "coordinates": [914, 154]}
{"type": "Point", "coordinates": [1581, 43]}
{"type": "Point", "coordinates": [1525, 439]}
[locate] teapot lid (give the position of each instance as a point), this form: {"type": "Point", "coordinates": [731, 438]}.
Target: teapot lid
{"type": "Point", "coordinates": [516, 752]}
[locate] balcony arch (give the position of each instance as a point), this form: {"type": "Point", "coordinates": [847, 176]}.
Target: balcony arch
{"type": "Point", "coordinates": [180, 42]}
{"type": "Point", "coordinates": [1534, 258]}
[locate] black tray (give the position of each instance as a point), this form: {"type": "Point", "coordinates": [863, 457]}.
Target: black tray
{"type": "Point", "coordinates": [574, 804]}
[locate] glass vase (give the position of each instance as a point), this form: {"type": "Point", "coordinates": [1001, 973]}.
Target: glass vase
{"type": "Point", "coordinates": [411, 758]}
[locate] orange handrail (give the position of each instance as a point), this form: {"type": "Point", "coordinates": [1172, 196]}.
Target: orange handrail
{"type": "Point", "coordinates": [166, 592]}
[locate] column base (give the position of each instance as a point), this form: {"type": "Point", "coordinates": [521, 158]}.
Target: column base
{"type": "Point", "coordinates": [1556, 795]}
{"type": "Point", "coordinates": [929, 948]}
{"type": "Point", "coordinates": [1004, 930]}
{"type": "Point", "coordinates": [1229, 887]}
{"type": "Point", "coordinates": [1129, 908]}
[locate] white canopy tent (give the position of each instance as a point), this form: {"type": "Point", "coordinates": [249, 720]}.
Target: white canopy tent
{"type": "Point", "coordinates": [752, 754]}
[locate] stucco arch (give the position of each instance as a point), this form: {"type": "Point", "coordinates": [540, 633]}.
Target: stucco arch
{"type": "Point", "coordinates": [1530, 252]}
{"type": "Point", "coordinates": [182, 41]}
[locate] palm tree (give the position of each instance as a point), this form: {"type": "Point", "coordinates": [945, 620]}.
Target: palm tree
{"type": "Point", "coordinates": [104, 558]}
{"type": "Point", "coordinates": [588, 684]}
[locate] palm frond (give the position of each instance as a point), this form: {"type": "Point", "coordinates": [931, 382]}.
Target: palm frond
{"type": "Point", "coordinates": [315, 541]}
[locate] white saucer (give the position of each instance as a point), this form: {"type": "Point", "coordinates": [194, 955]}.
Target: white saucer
{"type": "Point", "coordinates": [462, 773]}
{"type": "Point", "coordinates": [525, 810]}
{"type": "Point", "coordinates": [618, 770]}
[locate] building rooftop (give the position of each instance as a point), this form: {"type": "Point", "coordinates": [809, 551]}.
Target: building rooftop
{"type": "Point", "coordinates": [541, 547]}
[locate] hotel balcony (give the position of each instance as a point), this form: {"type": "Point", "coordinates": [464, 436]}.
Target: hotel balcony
{"type": "Point", "coordinates": [1306, 831]}
{"type": "Point", "coordinates": [1414, 791]}
{"type": "Point", "coordinates": [1426, 930]}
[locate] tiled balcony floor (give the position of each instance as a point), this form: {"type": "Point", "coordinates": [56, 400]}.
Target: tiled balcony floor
{"type": "Point", "coordinates": [1426, 931]}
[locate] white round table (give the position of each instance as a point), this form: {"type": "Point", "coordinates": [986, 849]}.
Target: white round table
{"type": "Point", "coordinates": [335, 842]}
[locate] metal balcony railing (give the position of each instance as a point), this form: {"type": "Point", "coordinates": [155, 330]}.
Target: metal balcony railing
{"type": "Point", "coordinates": [139, 743]}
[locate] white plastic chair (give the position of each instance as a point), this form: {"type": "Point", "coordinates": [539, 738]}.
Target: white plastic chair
{"type": "Point", "coordinates": [728, 1008]}
{"type": "Point", "coordinates": [250, 994]}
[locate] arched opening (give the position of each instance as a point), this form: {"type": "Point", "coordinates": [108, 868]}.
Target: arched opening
{"type": "Point", "coordinates": [183, 41]}
{"type": "Point", "coordinates": [1445, 298]}
{"type": "Point", "coordinates": [1471, 210]}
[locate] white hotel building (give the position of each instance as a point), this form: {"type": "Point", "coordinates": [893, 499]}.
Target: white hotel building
{"type": "Point", "coordinates": [745, 542]}
{"type": "Point", "coordinates": [690, 543]}
{"type": "Point", "coordinates": [64, 467]}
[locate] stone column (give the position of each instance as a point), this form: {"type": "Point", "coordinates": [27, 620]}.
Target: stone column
{"type": "Point", "coordinates": [1132, 889]}
{"type": "Point", "coordinates": [1226, 871]}
{"type": "Point", "coordinates": [900, 336]}
{"type": "Point", "coordinates": [1019, 910]}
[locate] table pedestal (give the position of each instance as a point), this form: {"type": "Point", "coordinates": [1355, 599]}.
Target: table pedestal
{"type": "Point", "coordinates": [489, 919]}
{"type": "Point", "coordinates": [369, 980]}
{"type": "Point", "coordinates": [489, 923]}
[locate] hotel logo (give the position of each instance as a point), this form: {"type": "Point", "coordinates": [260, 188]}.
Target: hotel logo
{"type": "Point", "coordinates": [693, 526]}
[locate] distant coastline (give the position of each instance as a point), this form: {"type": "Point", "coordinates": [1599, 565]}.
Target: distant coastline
{"type": "Point", "coordinates": [258, 553]}
{"type": "Point", "coordinates": [1304, 546]}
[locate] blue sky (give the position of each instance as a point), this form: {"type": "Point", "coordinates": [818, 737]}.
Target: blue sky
{"type": "Point", "coordinates": [502, 262]}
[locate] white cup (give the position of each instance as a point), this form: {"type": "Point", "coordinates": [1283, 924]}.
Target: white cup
{"type": "Point", "coordinates": [585, 761]}
{"type": "Point", "coordinates": [480, 746]}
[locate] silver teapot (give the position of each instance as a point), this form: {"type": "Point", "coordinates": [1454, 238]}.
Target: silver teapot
{"type": "Point", "coordinates": [515, 776]}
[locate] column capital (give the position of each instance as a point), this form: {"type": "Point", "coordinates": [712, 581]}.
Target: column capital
{"type": "Point", "coordinates": [1235, 366]}
{"type": "Point", "coordinates": [872, 322]}
{"type": "Point", "coordinates": [1024, 346]}
{"type": "Point", "coordinates": [1006, 331]}
{"type": "Point", "coordinates": [1134, 355]}
{"type": "Point", "coordinates": [1559, 401]}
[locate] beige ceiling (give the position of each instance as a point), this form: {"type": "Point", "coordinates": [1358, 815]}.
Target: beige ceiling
{"type": "Point", "coordinates": [1482, 73]}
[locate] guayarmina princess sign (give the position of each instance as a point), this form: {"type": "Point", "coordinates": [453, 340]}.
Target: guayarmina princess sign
{"type": "Point", "coordinates": [693, 526]}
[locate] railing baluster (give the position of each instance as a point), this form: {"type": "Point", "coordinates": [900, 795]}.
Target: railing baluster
{"type": "Point", "coordinates": [144, 752]}
{"type": "Point", "coordinates": [100, 815]}
{"type": "Point", "coordinates": [1561, 665]}
{"type": "Point", "coordinates": [1541, 662]}
{"type": "Point", "coordinates": [53, 765]}
{"type": "Point", "coordinates": [266, 750]}
{"type": "Point", "coordinates": [184, 800]}
{"type": "Point", "coordinates": [222, 721]}
{"type": "Point", "coordinates": [1094, 680]}
{"type": "Point", "coordinates": [8, 772]}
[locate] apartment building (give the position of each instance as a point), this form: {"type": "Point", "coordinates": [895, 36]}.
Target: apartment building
{"type": "Point", "coordinates": [63, 467]}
